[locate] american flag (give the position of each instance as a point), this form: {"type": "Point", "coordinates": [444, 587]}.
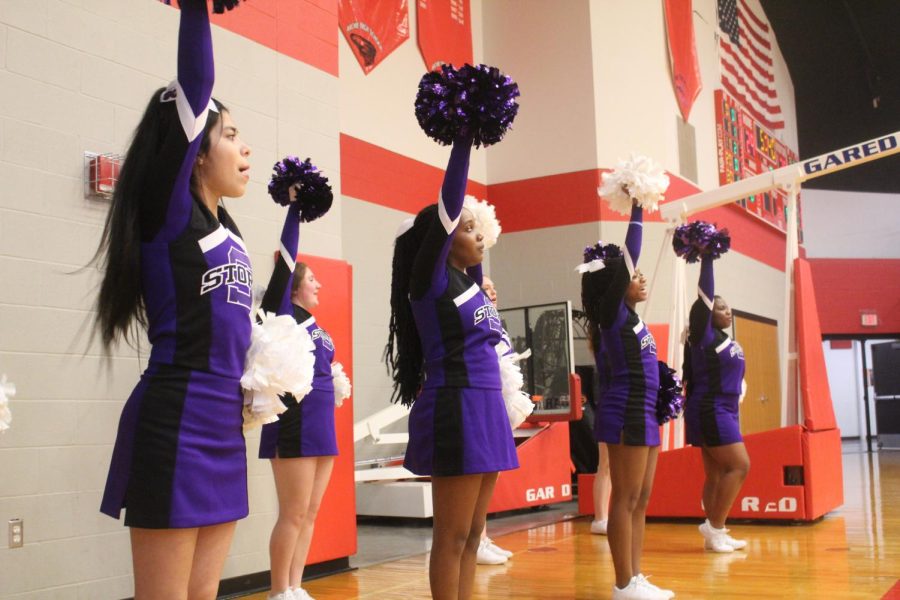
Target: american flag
{"type": "Point", "coordinates": [745, 55]}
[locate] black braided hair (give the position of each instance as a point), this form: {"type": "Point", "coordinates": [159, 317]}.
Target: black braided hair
{"type": "Point", "coordinates": [403, 352]}
{"type": "Point", "coordinates": [593, 287]}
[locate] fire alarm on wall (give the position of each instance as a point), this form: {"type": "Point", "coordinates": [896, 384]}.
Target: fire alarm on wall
{"type": "Point", "coordinates": [101, 172]}
{"type": "Point", "coordinates": [869, 319]}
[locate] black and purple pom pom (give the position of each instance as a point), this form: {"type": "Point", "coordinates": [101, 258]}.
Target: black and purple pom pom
{"type": "Point", "coordinates": [312, 191]}
{"type": "Point", "coordinates": [599, 251]}
{"type": "Point", "coordinates": [219, 6]}
{"type": "Point", "coordinates": [697, 239]}
{"type": "Point", "coordinates": [474, 102]}
{"type": "Point", "coordinates": [670, 398]}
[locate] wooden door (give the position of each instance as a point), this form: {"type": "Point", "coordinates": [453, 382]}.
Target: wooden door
{"type": "Point", "coordinates": [761, 409]}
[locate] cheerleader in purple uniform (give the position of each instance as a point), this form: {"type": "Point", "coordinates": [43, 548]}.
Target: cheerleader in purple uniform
{"type": "Point", "coordinates": [174, 262]}
{"type": "Point", "coordinates": [443, 330]}
{"type": "Point", "coordinates": [712, 409]}
{"type": "Point", "coordinates": [611, 287]}
{"type": "Point", "coordinates": [441, 348]}
{"type": "Point", "coordinates": [302, 443]}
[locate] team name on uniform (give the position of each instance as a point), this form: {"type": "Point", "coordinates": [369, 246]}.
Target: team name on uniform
{"type": "Point", "coordinates": [323, 335]}
{"type": "Point", "coordinates": [736, 350]}
{"type": "Point", "coordinates": [487, 311]}
{"type": "Point", "coordinates": [648, 341]}
{"type": "Point", "coordinates": [236, 274]}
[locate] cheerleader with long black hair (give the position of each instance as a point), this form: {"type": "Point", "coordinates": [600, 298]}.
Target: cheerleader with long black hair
{"type": "Point", "coordinates": [626, 422]}
{"type": "Point", "coordinates": [174, 262]}
{"type": "Point", "coordinates": [443, 330]}
{"type": "Point", "coordinates": [714, 370]}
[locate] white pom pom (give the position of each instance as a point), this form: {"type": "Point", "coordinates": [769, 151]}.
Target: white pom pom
{"type": "Point", "coordinates": [486, 217]}
{"type": "Point", "coordinates": [638, 178]}
{"type": "Point", "coordinates": [342, 387]}
{"type": "Point", "coordinates": [280, 359]}
{"type": "Point", "coordinates": [518, 403]}
{"type": "Point", "coordinates": [7, 391]}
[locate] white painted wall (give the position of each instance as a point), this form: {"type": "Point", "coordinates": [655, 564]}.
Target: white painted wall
{"type": "Point", "coordinates": [840, 224]}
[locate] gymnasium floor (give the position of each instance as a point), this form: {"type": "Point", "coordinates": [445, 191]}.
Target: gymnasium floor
{"type": "Point", "coordinates": [854, 552]}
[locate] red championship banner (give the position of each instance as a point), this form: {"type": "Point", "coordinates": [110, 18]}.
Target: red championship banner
{"type": "Point", "coordinates": [683, 54]}
{"type": "Point", "coordinates": [373, 28]}
{"type": "Point", "coordinates": [445, 32]}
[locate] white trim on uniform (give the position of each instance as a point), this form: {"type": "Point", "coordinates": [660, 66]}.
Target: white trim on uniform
{"type": "Point", "coordinates": [723, 345]}
{"type": "Point", "coordinates": [191, 124]}
{"type": "Point", "coordinates": [237, 240]}
{"type": "Point", "coordinates": [466, 295]}
{"type": "Point", "coordinates": [213, 240]}
{"type": "Point", "coordinates": [705, 298]}
{"type": "Point", "coordinates": [286, 256]}
{"type": "Point", "coordinates": [629, 264]}
{"type": "Point", "coordinates": [637, 328]}
{"type": "Point", "coordinates": [310, 321]}
{"type": "Point", "coordinates": [448, 223]}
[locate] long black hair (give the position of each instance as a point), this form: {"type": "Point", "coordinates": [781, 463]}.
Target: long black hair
{"type": "Point", "coordinates": [594, 286]}
{"type": "Point", "coordinates": [118, 255]}
{"type": "Point", "coordinates": [403, 352]}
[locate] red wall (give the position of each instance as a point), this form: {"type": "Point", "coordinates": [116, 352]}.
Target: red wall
{"type": "Point", "coordinates": [847, 287]}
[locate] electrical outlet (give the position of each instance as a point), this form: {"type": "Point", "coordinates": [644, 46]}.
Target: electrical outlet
{"type": "Point", "coordinates": [16, 533]}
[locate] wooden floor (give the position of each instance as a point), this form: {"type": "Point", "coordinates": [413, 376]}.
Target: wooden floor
{"type": "Point", "coordinates": [853, 552]}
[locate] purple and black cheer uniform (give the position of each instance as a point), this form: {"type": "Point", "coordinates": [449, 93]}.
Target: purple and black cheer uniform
{"type": "Point", "coordinates": [179, 458]}
{"type": "Point", "coordinates": [458, 424]}
{"type": "Point", "coordinates": [306, 428]}
{"type": "Point", "coordinates": [712, 409]}
{"type": "Point", "coordinates": [626, 411]}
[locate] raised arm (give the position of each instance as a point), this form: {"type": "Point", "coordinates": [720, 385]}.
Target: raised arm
{"type": "Point", "coordinates": [277, 298]}
{"type": "Point", "coordinates": [701, 312]}
{"type": "Point", "coordinates": [615, 295]}
{"type": "Point", "coordinates": [168, 203]}
{"type": "Point", "coordinates": [430, 267]}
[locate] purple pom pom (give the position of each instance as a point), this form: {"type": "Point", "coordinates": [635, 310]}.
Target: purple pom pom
{"type": "Point", "coordinates": [697, 239]}
{"type": "Point", "coordinates": [477, 103]}
{"type": "Point", "coordinates": [312, 191]}
{"type": "Point", "coordinates": [602, 252]}
{"type": "Point", "coordinates": [669, 399]}
{"type": "Point", "coordinates": [220, 6]}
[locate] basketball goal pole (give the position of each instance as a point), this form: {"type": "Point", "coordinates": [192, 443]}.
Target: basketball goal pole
{"type": "Point", "coordinates": [788, 179]}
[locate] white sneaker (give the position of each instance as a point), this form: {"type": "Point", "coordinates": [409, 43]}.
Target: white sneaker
{"type": "Point", "coordinates": [285, 595]}
{"type": "Point", "coordinates": [736, 544]}
{"type": "Point", "coordinates": [637, 589]}
{"type": "Point", "coordinates": [301, 594]}
{"type": "Point", "coordinates": [599, 527]}
{"type": "Point", "coordinates": [485, 556]}
{"type": "Point", "coordinates": [497, 549]}
{"type": "Point", "coordinates": [645, 581]}
{"type": "Point", "coordinates": [715, 540]}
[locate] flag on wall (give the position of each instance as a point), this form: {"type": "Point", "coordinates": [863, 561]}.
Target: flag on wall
{"type": "Point", "coordinates": [683, 54]}
{"type": "Point", "coordinates": [745, 58]}
{"type": "Point", "coordinates": [444, 32]}
{"type": "Point", "coordinates": [373, 28]}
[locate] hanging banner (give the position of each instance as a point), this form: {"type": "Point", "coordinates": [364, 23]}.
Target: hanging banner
{"type": "Point", "coordinates": [445, 32]}
{"type": "Point", "coordinates": [683, 54]}
{"type": "Point", "coordinates": [373, 28]}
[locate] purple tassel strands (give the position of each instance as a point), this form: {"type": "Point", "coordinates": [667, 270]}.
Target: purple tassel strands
{"type": "Point", "coordinates": [697, 239]}
{"type": "Point", "coordinates": [311, 188]}
{"type": "Point", "coordinates": [670, 398]}
{"type": "Point", "coordinates": [472, 102]}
